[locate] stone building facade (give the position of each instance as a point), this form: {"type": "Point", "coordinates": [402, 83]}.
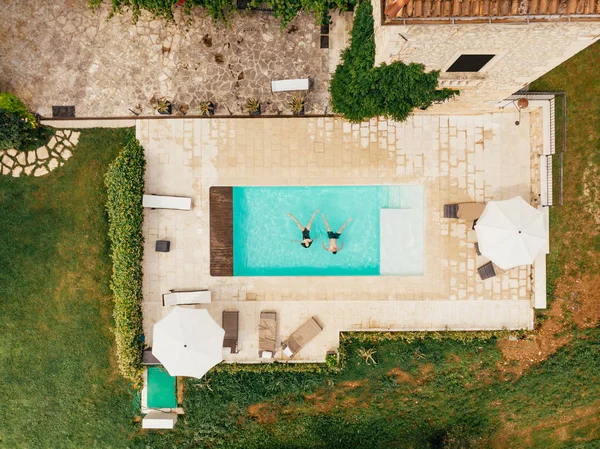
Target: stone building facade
{"type": "Point", "coordinates": [522, 52]}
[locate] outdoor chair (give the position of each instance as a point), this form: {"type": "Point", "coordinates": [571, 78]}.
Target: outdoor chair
{"type": "Point", "coordinates": [487, 271]}
{"type": "Point", "coordinates": [267, 333]}
{"type": "Point", "coordinates": [186, 297]}
{"type": "Point", "coordinates": [167, 202]}
{"type": "Point", "coordinates": [231, 325]}
{"type": "Point", "coordinates": [464, 211]}
{"type": "Point", "coordinates": [301, 337]}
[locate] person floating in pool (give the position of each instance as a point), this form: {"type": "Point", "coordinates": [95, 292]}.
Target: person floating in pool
{"type": "Point", "coordinates": [334, 236]}
{"type": "Point", "coordinates": [306, 240]}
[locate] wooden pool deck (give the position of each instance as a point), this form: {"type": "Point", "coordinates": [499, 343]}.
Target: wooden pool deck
{"type": "Point", "coordinates": [221, 231]}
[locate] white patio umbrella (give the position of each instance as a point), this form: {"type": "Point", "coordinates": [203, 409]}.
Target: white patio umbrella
{"type": "Point", "coordinates": [511, 233]}
{"type": "Point", "coordinates": [188, 342]}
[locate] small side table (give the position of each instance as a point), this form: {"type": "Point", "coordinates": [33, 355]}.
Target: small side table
{"type": "Point", "coordinates": [163, 246]}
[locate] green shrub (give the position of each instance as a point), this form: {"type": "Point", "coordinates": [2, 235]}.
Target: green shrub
{"type": "Point", "coordinates": [359, 90]}
{"type": "Point", "coordinates": [125, 187]}
{"type": "Point", "coordinates": [222, 10]}
{"type": "Point", "coordinates": [11, 103]}
{"type": "Point", "coordinates": [15, 131]}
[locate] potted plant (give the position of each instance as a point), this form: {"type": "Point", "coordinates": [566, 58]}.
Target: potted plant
{"type": "Point", "coordinates": [206, 108]}
{"type": "Point", "coordinates": [164, 106]}
{"type": "Point", "coordinates": [253, 106]}
{"type": "Point", "coordinates": [297, 105]}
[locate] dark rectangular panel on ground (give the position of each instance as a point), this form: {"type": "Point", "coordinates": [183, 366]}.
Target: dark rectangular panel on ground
{"type": "Point", "coordinates": [221, 231]}
{"type": "Point", "coordinates": [470, 63]}
{"type": "Point", "coordinates": [63, 111]}
{"type": "Point", "coordinates": [324, 41]}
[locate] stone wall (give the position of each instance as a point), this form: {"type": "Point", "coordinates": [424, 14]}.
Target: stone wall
{"type": "Point", "coordinates": [524, 53]}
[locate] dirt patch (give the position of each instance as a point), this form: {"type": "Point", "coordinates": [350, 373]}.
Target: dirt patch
{"type": "Point", "coordinates": [583, 421]}
{"type": "Point", "coordinates": [583, 299]}
{"type": "Point", "coordinates": [352, 384]}
{"type": "Point", "coordinates": [400, 376]}
{"type": "Point", "coordinates": [519, 355]}
{"type": "Point", "coordinates": [576, 303]}
{"type": "Point", "coordinates": [262, 413]}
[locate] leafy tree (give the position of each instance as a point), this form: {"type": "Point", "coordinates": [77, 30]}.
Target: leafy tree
{"type": "Point", "coordinates": [359, 90]}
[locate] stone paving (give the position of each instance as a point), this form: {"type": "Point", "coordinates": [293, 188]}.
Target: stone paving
{"type": "Point", "coordinates": [62, 53]}
{"type": "Point", "coordinates": [455, 158]}
{"type": "Point", "coordinates": [43, 160]}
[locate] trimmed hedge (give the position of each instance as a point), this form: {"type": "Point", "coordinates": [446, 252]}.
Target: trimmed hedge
{"type": "Point", "coordinates": [125, 187]}
{"type": "Point", "coordinates": [223, 10]}
{"type": "Point", "coordinates": [15, 132]}
{"type": "Point", "coordinates": [11, 103]}
{"type": "Point", "coordinates": [359, 90]}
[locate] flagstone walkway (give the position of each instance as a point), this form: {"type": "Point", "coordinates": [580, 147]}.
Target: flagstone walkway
{"type": "Point", "coordinates": [43, 160]}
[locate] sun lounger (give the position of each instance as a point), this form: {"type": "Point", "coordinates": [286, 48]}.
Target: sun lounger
{"type": "Point", "coordinates": [289, 85]}
{"type": "Point", "coordinates": [301, 337]}
{"type": "Point", "coordinates": [230, 325]}
{"type": "Point", "coordinates": [464, 211]}
{"type": "Point", "coordinates": [159, 420]}
{"type": "Point", "coordinates": [487, 271]}
{"type": "Point", "coordinates": [186, 297]}
{"type": "Point", "coordinates": [148, 358]}
{"type": "Point", "coordinates": [267, 333]}
{"type": "Point", "coordinates": [167, 202]}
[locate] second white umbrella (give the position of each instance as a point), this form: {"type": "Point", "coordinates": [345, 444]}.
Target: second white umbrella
{"type": "Point", "coordinates": [511, 233]}
{"type": "Point", "coordinates": [188, 342]}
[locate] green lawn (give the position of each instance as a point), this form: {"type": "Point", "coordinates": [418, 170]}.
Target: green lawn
{"type": "Point", "coordinates": [58, 381]}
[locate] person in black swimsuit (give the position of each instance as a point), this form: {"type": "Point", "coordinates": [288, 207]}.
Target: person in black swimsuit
{"type": "Point", "coordinates": [334, 236]}
{"type": "Point", "coordinates": [306, 240]}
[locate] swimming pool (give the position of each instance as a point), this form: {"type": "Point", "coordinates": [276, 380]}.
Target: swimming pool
{"type": "Point", "coordinates": [263, 233]}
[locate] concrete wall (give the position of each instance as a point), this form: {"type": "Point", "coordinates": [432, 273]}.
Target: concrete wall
{"type": "Point", "coordinates": [524, 53]}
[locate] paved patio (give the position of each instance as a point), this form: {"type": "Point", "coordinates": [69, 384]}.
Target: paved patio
{"type": "Point", "coordinates": [460, 158]}
{"type": "Point", "coordinates": [67, 54]}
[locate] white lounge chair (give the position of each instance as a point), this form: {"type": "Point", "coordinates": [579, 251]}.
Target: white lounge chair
{"type": "Point", "coordinates": [288, 85]}
{"type": "Point", "coordinates": [159, 420]}
{"type": "Point", "coordinates": [188, 297]}
{"type": "Point", "coordinates": [167, 202]}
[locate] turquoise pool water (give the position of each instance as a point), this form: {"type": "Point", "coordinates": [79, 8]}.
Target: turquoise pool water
{"type": "Point", "coordinates": [262, 231]}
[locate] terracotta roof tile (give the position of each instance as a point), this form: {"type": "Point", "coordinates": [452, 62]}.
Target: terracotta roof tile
{"type": "Point", "coordinates": [500, 11]}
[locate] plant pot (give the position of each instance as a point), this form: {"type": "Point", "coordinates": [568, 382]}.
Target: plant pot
{"type": "Point", "coordinates": [255, 113]}
{"type": "Point", "coordinates": [299, 113]}
{"type": "Point", "coordinates": [169, 110]}
{"type": "Point", "coordinates": [211, 112]}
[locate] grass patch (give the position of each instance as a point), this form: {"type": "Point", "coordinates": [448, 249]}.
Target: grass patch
{"type": "Point", "coordinates": [58, 376]}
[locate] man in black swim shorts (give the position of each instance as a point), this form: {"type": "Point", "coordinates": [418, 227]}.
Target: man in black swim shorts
{"type": "Point", "coordinates": [334, 236]}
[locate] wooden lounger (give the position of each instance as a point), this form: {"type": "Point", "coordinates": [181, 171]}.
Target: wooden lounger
{"type": "Point", "coordinates": [267, 333]}
{"type": "Point", "coordinates": [186, 297]}
{"type": "Point", "coordinates": [230, 325]}
{"type": "Point", "coordinates": [167, 202]}
{"type": "Point", "coordinates": [464, 211]}
{"type": "Point", "coordinates": [301, 337]}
